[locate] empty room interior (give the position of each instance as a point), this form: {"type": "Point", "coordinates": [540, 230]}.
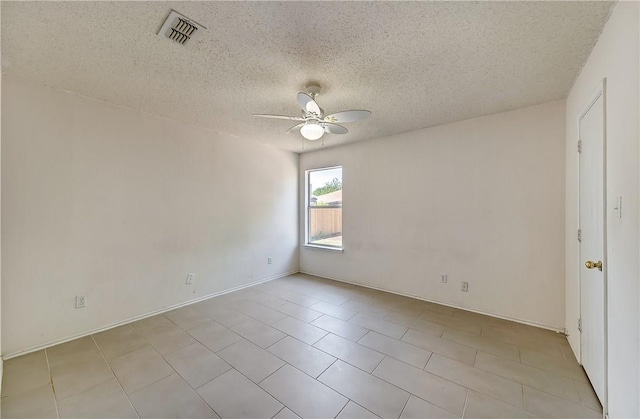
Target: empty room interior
{"type": "Point", "coordinates": [320, 209]}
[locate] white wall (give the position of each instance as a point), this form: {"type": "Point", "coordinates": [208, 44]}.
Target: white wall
{"type": "Point", "coordinates": [481, 200]}
{"type": "Point", "coordinates": [119, 206]}
{"type": "Point", "coordinates": [615, 57]}
{"type": "Point", "coordinates": [1, 360]}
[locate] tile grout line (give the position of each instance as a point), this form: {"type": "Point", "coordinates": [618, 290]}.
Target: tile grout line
{"type": "Point", "coordinates": [437, 405]}
{"type": "Point", "coordinates": [297, 369]}
{"type": "Point", "coordinates": [481, 392]}
{"type": "Point", "coordinates": [405, 332]}
{"type": "Point", "coordinates": [267, 392]}
{"type": "Point", "coordinates": [229, 328]}
{"type": "Point", "coordinates": [411, 326]}
{"type": "Point", "coordinates": [523, 398]}
{"type": "Point", "coordinates": [170, 366]}
{"type": "Point", "coordinates": [279, 411]}
{"type": "Point", "coordinates": [203, 344]}
{"type": "Point", "coordinates": [557, 397]}
{"type": "Point", "coordinates": [413, 345]}
{"type": "Point", "coordinates": [258, 383]}
{"type": "Point", "coordinates": [502, 340]}
{"type": "Point", "coordinates": [475, 349]}
{"type": "Point", "coordinates": [266, 349]}
{"type": "Point", "coordinates": [542, 390]}
{"type": "Point", "coordinates": [488, 352]}
{"type": "Point", "coordinates": [287, 363]}
{"type": "Point", "coordinates": [338, 392]}
{"type": "Point", "coordinates": [582, 398]}
{"type": "Point", "coordinates": [53, 389]}
{"type": "Point", "coordinates": [562, 351]}
{"type": "Point", "coordinates": [324, 370]}
{"type": "Point", "coordinates": [384, 356]}
{"type": "Point", "coordinates": [182, 328]}
{"type": "Point", "coordinates": [408, 328]}
{"type": "Point", "coordinates": [409, 392]}
{"type": "Point", "coordinates": [93, 385]}
{"type": "Point", "coordinates": [428, 359]}
{"type": "Point", "coordinates": [255, 343]}
{"type": "Point", "coordinates": [466, 399]}
{"type": "Point", "coordinates": [340, 359]}
{"type": "Point", "coordinates": [540, 370]}
{"type": "Point", "coordinates": [299, 305]}
{"type": "Point", "coordinates": [520, 355]}
{"type": "Point", "coordinates": [368, 410]}
{"type": "Point", "coordinates": [343, 407]}
{"type": "Point", "coordinates": [406, 404]}
{"type": "Point", "coordinates": [114, 374]}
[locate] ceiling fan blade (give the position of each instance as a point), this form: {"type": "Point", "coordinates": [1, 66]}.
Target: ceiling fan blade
{"type": "Point", "coordinates": [295, 127]}
{"type": "Point", "coordinates": [307, 103]}
{"type": "Point", "coordinates": [291, 118]}
{"type": "Point", "coordinates": [347, 116]}
{"type": "Point", "coordinates": [334, 128]}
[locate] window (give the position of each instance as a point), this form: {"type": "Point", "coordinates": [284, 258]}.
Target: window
{"type": "Point", "coordinates": [324, 207]}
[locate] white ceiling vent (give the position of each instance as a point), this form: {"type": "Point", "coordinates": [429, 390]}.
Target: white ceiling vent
{"type": "Point", "coordinates": [180, 28]}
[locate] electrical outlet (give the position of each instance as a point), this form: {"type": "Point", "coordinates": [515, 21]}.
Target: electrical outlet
{"type": "Point", "coordinates": [81, 301]}
{"type": "Point", "coordinates": [465, 287]}
{"type": "Point", "coordinates": [443, 278]}
{"type": "Point", "coordinates": [190, 278]}
{"type": "Point", "coordinates": [269, 261]}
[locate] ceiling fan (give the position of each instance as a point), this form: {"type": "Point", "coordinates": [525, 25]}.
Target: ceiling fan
{"type": "Point", "coordinates": [314, 124]}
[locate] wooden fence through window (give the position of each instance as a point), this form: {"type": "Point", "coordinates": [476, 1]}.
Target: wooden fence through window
{"type": "Point", "coordinates": [324, 222]}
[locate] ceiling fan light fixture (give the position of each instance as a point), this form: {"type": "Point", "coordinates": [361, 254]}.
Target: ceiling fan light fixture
{"type": "Point", "coordinates": [313, 123]}
{"type": "Point", "coordinates": [312, 130]}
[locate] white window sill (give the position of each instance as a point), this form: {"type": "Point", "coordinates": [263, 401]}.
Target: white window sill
{"type": "Point", "coordinates": [333, 249]}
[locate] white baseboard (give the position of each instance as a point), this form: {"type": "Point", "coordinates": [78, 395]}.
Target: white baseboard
{"type": "Point", "coordinates": [574, 348]}
{"type": "Point", "coordinates": [143, 316]}
{"type": "Point", "coordinates": [206, 297]}
{"type": "Point", "coordinates": [431, 300]}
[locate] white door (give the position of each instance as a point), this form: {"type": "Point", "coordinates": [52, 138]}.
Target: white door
{"type": "Point", "coordinates": [592, 245]}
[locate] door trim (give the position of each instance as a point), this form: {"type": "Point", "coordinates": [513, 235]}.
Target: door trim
{"type": "Point", "coordinates": [600, 92]}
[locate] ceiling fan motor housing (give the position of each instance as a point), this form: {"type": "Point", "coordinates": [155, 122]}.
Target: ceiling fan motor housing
{"type": "Point", "coordinates": [313, 89]}
{"type": "Point", "coordinates": [313, 123]}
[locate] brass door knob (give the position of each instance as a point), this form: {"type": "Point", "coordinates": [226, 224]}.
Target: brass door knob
{"type": "Point", "coordinates": [591, 265]}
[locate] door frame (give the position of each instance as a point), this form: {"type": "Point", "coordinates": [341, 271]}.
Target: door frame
{"type": "Point", "coordinates": [600, 92]}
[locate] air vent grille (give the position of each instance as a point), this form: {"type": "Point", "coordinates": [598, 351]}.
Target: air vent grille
{"type": "Point", "coordinates": [180, 29]}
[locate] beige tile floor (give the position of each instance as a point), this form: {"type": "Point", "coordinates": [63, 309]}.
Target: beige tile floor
{"type": "Point", "coordinates": [305, 347]}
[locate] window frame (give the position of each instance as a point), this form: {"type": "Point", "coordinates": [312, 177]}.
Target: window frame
{"type": "Point", "coordinates": [308, 207]}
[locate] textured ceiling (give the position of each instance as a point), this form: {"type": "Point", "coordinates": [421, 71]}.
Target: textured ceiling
{"type": "Point", "coordinates": [413, 64]}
